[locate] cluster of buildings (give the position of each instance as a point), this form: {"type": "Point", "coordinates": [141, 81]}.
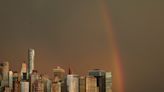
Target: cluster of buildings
{"type": "Point", "coordinates": [29, 80]}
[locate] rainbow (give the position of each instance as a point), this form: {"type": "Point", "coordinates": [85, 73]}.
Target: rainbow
{"type": "Point", "coordinates": [118, 73]}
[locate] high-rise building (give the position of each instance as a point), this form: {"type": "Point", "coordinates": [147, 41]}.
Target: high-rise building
{"type": "Point", "coordinates": [47, 83]}
{"type": "Point", "coordinates": [23, 69]}
{"type": "Point", "coordinates": [10, 79]}
{"type": "Point", "coordinates": [72, 83]}
{"type": "Point", "coordinates": [34, 76]}
{"type": "Point", "coordinates": [59, 85]}
{"type": "Point", "coordinates": [91, 84]}
{"type": "Point", "coordinates": [59, 73]}
{"type": "Point", "coordinates": [100, 77]}
{"type": "Point", "coordinates": [5, 74]}
{"type": "Point", "coordinates": [16, 86]}
{"type": "Point", "coordinates": [108, 82]}
{"type": "Point", "coordinates": [1, 76]}
{"type": "Point", "coordinates": [58, 82]}
{"type": "Point", "coordinates": [16, 82]}
{"type": "Point", "coordinates": [56, 87]}
{"type": "Point", "coordinates": [25, 84]}
{"type": "Point", "coordinates": [7, 89]}
{"type": "Point", "coordinates": [1, 70]}
{"type": "Point", "coordinates": [31, 54]}
{"type": "Point", "coordinates": [82, 84]}
{"type": "Point", "coordinates": [15, 76]}
{"type": "Point", "coordinates": [38, 85]}
{"type": "Point", "coordinates": [64, 84]}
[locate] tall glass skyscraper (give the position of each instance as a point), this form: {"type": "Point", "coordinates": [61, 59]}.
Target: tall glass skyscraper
{"type": "Point", "coordinates": [31, 54]}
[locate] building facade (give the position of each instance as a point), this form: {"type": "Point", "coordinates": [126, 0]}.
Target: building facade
{"type": "Point", "coordinates": [100, 77]}
{"type": "Point", "coordinates": [72, 83]}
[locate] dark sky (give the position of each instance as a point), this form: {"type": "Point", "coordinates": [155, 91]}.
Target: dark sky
{"type": "Point", "coordinates": [72, 34]}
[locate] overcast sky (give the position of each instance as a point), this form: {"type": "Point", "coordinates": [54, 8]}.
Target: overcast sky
{"type": "Point", "coordinates": [71, 34]}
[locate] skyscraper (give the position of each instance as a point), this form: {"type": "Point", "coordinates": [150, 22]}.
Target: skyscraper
{"type": "Point", "coordinates": [16, 83]}
{"type": "Point", "coordinates": [100, 76]}
{"type": "Point", "coordinates": [58, 82]}
{"type": "Point", "coordinates": [10, 79]}
{"type": "Point", "coordinates": [7, 89]}
{"type": "Point", "coordinates": [31, 54]}
{"type": "Point", "coordinates": [38, 85]}
{"type": "Point", "coordinates": [34, 76]}
{"type": "Point", "coordinates": [1, 76]}
{"type": "Point", "coordinates": [82, 84]}
{"type": "Point", "coordinates": [91, 84]}
{"type": "Point", "coordinates": [23, 69]}
{"type": "Point", "coordinates": [5, 74]}
{"type": "Point", "coordinates": [56, 87]}
{"type": "Point", "coordinates": [47, 83]}
{"type": "Point", "coordinates": [24, 84]}
{"type": "Point", "coordinates": [108, 82]}
{"type": "Point", "coordinates": [59, 73]}
{"type": "Point", "coordinates": [73, 83]}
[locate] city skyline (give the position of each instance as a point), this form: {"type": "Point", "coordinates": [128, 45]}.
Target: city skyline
{"type": "Point", "coordinates": [28, 66]}
{"type": "Point", "coordinates": [28, 79]}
